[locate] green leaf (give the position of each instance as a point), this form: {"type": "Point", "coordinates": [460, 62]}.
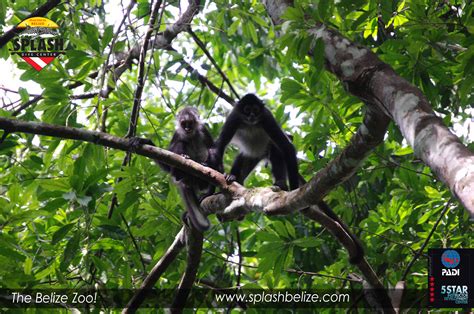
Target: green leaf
{"type": "Point", "coordinates": [3, 12]}
{"type": "Point", "coordinates": [92, 36]}
{"type": "Point", "coordinates": [76, 59]}
{"type": "Point", "coordinates": [290, 86]}
{"type": "Point", "coordinates": [280, 228]}
{"type": "Point", "coordinates": [292, 13]}
{"type": "Point", "coordinates": [108, 244]}
{"type": "Point", "coordinates": [253, 32]}
{"type": "Point", "coordinates": [85, 70]}
{"type": "Point", "coordinates": [113, 231]}
{"type": "Point", "coordinates": [307, 242]}
{"type": "Point", "coordinates": [267, 236]}
{"type": "Point", "coordinates": [290, 228]}
{"type": "Point", "coordinates": [259, 20]}
{"type": "Point", "coordinates": [233, 28]}
{"type": "Point", "coordinates": [108, 35]}
{"type": "Point", "coordinates": [10, 253]}
{"type": "Point", "coordinates": [403, 151]}
{"type": "Point", "coordinates": [61, 233]}
{"type": "Point", "coordinates": [45, 272]}
{"type": "Point", "coordinates": [25, 96]}
{"type": "Point", "coordinates": [27, 266]}
{"type": "Point", "coordinates": [433, 193]}
{"type": "Point", "coordinates": [143, 8]}
{"type": "Point", "coordinates": [72, 248]}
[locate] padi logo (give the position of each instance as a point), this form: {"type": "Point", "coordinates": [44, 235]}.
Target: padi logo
{"type": "Point", "coordinates": [455, 293]}
{"type": "Point", "coordinates": [450, 259]}
{"type": "Point", "coordinates": [38, 42]}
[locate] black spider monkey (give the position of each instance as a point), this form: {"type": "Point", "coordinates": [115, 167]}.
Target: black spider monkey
{"type": "Point", "coordinates": [191, 139]}
{"type": "Point", "coordinates": [254, 130]}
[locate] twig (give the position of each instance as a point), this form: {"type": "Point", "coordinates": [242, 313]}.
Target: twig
{"type": "Point", "coordinates": [420, 251]}
{"type": "Point", "coordinates": [135, 244]}
{"type": "Point", "coordinates": [132, 127]}
{"type": "Point", "coordinates": [205, 81]}
{"type": "Point", "coordinates": [309, 273]}
{"type": "Point", "coordinates": [156, 272]}
{"type": "Point", "coordinates": [13, 91]}
{"type": "Point", "coordinates": [112, 44]}
{"type": "Point", "coordinates": [211, 58]}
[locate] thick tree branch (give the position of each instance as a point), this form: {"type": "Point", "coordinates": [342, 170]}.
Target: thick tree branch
{"type": "Point", "coordinates": [41, 11]}
{"type": "Point", "coordinates": [374, 81]}
{"type": "Point", "coordinates": [189, 166]}
{"type": "Point", "coordinates": [195, 240]}
{"type": "Point", "coordinates": [239, 199]}
{"type": "Point", "coordinates": [156, 272]}
{"type": "Point", "coordinates": [276, 202]}
{"type": "Point", "coordinates": [162, 41]}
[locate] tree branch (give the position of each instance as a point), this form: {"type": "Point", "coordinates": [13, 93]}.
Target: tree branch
{"type": "Point", "coordinates": [189, 166]}
{"type": "Point", "coordinates": [239, 199]}
{"type": "Point", "coordinates": [367, 77]}
{"type": "Point", "coordinates": [156, 272]}
{"type": "Point", "coordinates": [209, 56]}
{"type": "Point", "coordinates": [132, 127]}
{"type": "Point", "coordinates": [163, 40]}
{"type": "Point", "coordinates": [194, 245]}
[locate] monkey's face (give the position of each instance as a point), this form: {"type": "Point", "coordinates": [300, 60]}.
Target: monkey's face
{"type": "Point", "coordinates": [252, 113]}
{"type": "Point", "coordinates": [189, 126]}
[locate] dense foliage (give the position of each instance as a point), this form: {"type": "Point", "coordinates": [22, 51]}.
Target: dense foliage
{"type": "Point", "coordinates": [55, 195]}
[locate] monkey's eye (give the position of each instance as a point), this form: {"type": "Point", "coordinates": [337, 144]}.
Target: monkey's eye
{"type": "Point", "coordinates": [187, 125]}
{"type": "Point", "coordinates": [247, 110]}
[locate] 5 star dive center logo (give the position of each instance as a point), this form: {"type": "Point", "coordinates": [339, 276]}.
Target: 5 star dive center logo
{"type": "Point", "coordinates": [38, 42]}
{"type": "Point", "coordinates": [451, 278]}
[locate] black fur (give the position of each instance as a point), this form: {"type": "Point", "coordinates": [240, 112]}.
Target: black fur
{"type": "Point", "coordinates": [252, 127]}
{"type": "Point", "coordinates": [191, 139]}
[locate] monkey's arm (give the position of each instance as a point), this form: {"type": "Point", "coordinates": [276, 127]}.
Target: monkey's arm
{"type": "Point", "coordinates": [208, 140]}
{"type": "Point", "coordinates": [177, 146]}
{"type": "Point", "coordinates": [229, 128]}
{"type": "Point", "coordinates": [282, 142]}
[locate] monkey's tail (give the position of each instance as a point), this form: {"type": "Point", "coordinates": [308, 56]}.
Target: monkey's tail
{"type": "Point", "coordinates": [359, 254]}
{"type": "Point", "coordinates": [198, 219]}
{"type": "Point", "coordinates": [324, 207]}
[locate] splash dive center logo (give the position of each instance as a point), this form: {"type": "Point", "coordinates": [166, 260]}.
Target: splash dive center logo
{"type": "Point", "coordinates": [38, 42]}
{"type": "Point", "coordinates": [450, 259]}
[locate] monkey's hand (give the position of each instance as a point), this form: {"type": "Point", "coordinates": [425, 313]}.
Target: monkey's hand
{"type": "Point", "coordinates": [185, 156]}
{"type": "Point", "coordinates": [136, 142]}
{"type": "Point", "coordinates": [229, 178]}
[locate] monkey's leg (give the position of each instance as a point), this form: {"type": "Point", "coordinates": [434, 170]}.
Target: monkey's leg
{"type": "Point", "coordinates": [242, 166]}
{"type": "Point", "coordinates": [198, 219]}
{"type": "Point", "coordinates": [277, 160]}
